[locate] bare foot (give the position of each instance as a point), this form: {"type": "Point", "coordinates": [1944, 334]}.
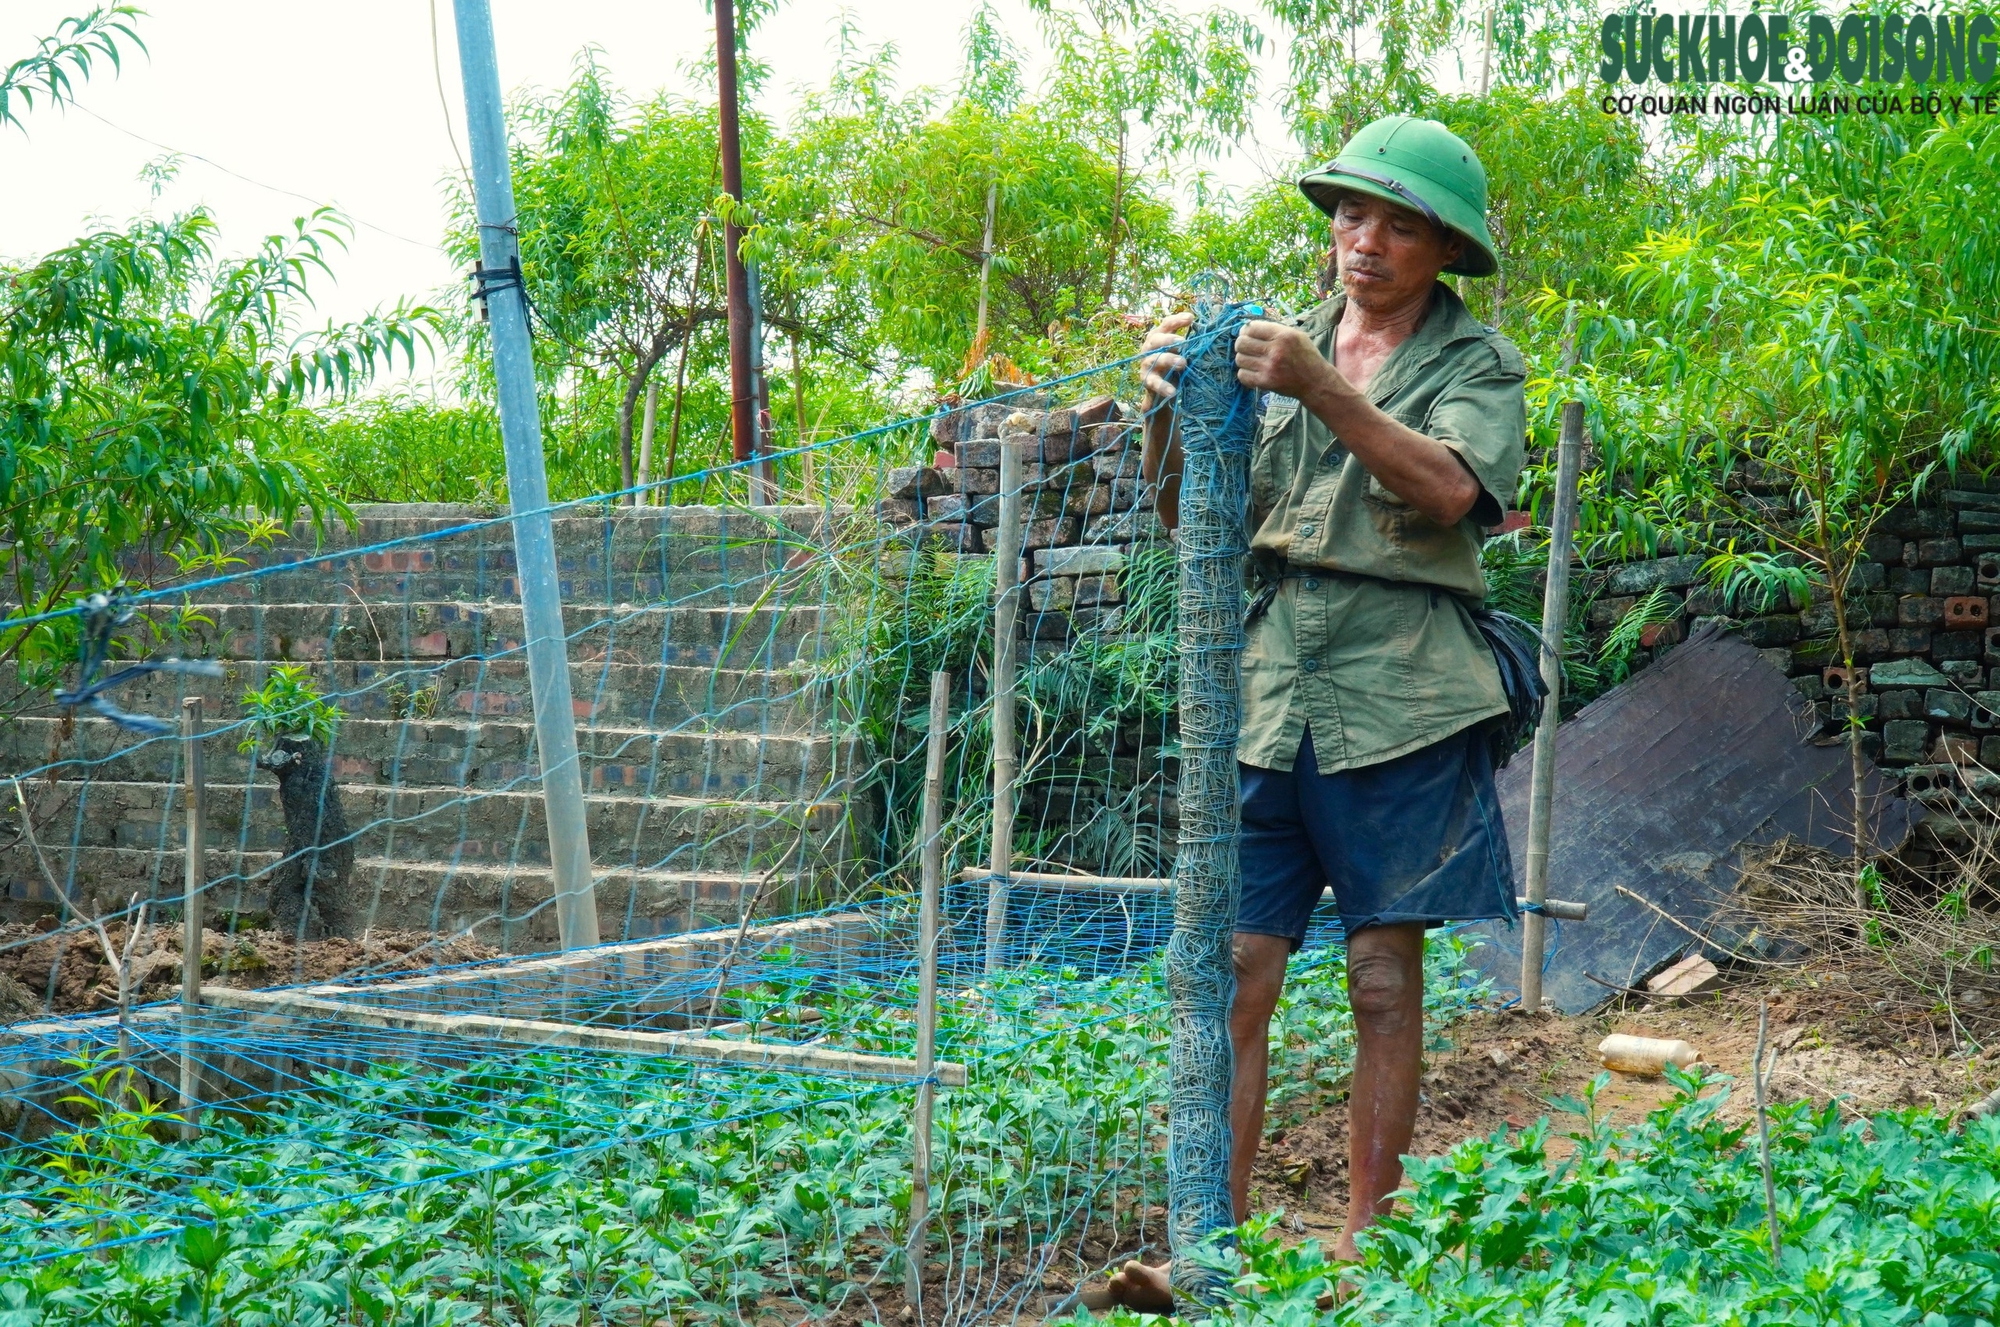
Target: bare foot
{"type": "Point", "coordinates": [1142, 1289]}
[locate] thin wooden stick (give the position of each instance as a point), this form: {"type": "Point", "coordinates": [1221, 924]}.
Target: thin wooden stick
{"type": "Point", "coordinates": [973, 875]}
{"type": "Point", "coordinates": [1764, 1135]}
{"type": "Point", "coordinates": [535, 1034]}
{"type": "Point", "coordinates": [194, 886]}
{"type": "Point", "coordinates": [648, 424]}
{"type": "Point", "coordinates": [1560, 909]}
{"type": "Point", "coordinates": [1555, 614]}
{"type": "Point", "coordinates": [927, 985]}
{"type": "Point", "coordinates": [1006, 646]}
{"type": "Point", "coordinates": [1669, 917]}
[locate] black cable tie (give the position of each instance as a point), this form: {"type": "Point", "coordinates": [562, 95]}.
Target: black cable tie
{"type": "Point", "coordinates": [486, 280]}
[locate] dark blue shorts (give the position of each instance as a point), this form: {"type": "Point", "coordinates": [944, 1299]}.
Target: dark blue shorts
{"type": "Point", "coordinates": [1414, 839]}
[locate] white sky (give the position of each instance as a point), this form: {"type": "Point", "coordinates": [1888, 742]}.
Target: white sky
{"type": "Point", "coordinates": [338, 103]}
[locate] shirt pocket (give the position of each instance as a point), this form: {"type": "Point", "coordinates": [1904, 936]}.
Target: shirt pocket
{"type": "Point", "coordinates": [1268, 457]}
{"type": "Point", "coordinates": [1376, 492]}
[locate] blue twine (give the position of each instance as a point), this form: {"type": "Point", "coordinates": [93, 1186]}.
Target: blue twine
{"type": "Point", "coordinates": [1218, 422]}
{"type": "Point", "coordinates": [555, 508]}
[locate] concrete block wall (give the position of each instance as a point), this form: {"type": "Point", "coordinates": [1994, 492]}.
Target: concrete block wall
{"type": "Point", "coordinates": [1924, 611]}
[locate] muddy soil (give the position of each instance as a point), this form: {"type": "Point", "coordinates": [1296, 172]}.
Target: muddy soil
{"type": "Point", "coordinates": [72, 967]}
{"type": "Point", "coordinates": [1832, 1038]}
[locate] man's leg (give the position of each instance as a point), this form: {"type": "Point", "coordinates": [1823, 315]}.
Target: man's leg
{"type": "Point", "coordinates": [1385, 988]}
{"type": "Point", "coordinates": [1260, 979]}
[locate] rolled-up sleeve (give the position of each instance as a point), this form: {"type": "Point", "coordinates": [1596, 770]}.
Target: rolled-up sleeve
{"type": "Point", "coordinates": [1484, 418]}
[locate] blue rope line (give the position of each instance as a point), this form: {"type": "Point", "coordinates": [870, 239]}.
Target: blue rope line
{"type": "Point", "coordinates": [1194, 344]}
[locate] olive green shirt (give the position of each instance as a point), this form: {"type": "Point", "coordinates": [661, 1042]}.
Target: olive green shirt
{"type": "Point", "coordinates": [1379, 656]}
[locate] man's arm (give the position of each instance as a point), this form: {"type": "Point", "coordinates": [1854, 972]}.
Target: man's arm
{"type": "Point", "coordinates": [1160, 456]}
{"type": "Point", "coordinates": [1420, 470]}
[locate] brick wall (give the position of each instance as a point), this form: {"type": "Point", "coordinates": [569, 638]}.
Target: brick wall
{"type": "Point", "coordinates": [1086, 506]}
{"type": "Point", "coordinates": [1087, 510]}
{"type": "Point", "coordinates": [1919, 610]}
{"type": "Point", "coordinates": [1919, 606]}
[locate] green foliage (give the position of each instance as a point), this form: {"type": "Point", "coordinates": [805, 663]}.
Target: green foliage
{"type": "Point", "coordinates": [1767, 379]}
{"type": "Point", "coordinates": [61, 61]}
{"type": "Point", "coordinates": [1621, 645]}
{"type": "Point", "coordinates": [288, 705]}
{"type": "Point", "coordinates": [150, 390]}
{"type": "Point", "coordinates": [401, 447]}
{"type": "Point", "coordinates": [1890, 1220]}
{"type": "Point", "coordinates": [905, 613]}
{"type": "Point", "coordinates": [880, 197]}
{"type": "Point", "coordinates": [559, 1189]}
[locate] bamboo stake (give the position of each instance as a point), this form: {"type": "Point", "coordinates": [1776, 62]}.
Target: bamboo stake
{"type": "Point", "coordinates": [1560, 909]}
{"type": "Point", "coordinates": [1486, 58]}
{"type": "Point", "coordinates": [927, 983]}
{"type": "Point", "coordinates": [194, 884]}
{"type": "Point", "coordinates": [538, 1034]}
{"type": "Point", "coordinates": [807, 484]}
{"type": "Point", "coordinates": [1006, 644]}
{"type": "Point", "coordinates": [1542, 785]}
{"type": "Point", "coordinates": [1764, 1135]}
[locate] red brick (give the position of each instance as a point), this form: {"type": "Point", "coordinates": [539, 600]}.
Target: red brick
{"type": "Point", "coordinates": [1964, 610]}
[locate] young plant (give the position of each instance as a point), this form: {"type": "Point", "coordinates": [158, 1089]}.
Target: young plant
{"type": "Point", "coordinates": [291, 727]}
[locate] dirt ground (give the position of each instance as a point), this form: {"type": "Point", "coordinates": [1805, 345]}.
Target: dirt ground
{"type": "Point", "coordinates": [1831, 1036]}
{"type": "Point", "coordinates": [73, 965]}
{"type": "Point", "coordinates": [1503, 1068]}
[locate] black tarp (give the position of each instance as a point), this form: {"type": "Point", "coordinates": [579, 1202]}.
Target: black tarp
{"type": "Point", "coordinates": [1660, 786]}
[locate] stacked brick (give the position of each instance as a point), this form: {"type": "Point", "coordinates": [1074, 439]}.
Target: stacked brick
{"type": "Point", "coordinates": [1918, 609]}
{"type": "Point", "coordinates": [1087, 510]}
{"type": "Point", "coordinates": [1085, 504]}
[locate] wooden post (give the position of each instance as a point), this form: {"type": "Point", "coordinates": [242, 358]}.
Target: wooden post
{"type": "Point", "coordinates": [1006, 646]}
{"type": "Point", "coordinates": [193, 885]}
{"type": "Point", "coordinates": [1542, 786]}
{"type": "Point", "coordinates": [927, 984]}
{"type": "Point", "coordinates": [763, 477]}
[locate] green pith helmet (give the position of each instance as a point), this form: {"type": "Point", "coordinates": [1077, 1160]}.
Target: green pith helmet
{"type": "Point", "coordinates": [1417, 164]}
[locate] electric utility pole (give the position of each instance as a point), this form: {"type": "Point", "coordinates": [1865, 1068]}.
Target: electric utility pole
{"type": "Point", "coordinates": [742, 395]}
{"type": "Point", "coordinates": [527, 478]}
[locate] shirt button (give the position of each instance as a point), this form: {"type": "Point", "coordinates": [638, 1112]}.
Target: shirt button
{"type": "Point", "coordinates": [1312, 582]}
{"type": "Point", "coordinates": [1312, 665]}
{"type": "Point", "coordinates": [1305, 531]}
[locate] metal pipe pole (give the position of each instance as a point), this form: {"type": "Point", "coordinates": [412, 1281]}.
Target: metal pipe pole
{"type": "Point", "coordinates": [527, 480]}
{"type": "Point", "coordinates": [648, 425]}
{"type": "Point", "coordinates": [193, 885]}
{"type": "Point", "coordinates": [1486, 57]}
{"type": "Point", "coordinates": [927, 984]}
{"type": "Point", "coordinates": [1542, 786]}
{"type": "Point", "coordinates": [1006, 648]}
{"type": "Point", "coordinates": [986, 265]}
{"type": "Point", "coordinates": [763, 483]}
{"type": "Point", "coordinates": [742, 406]}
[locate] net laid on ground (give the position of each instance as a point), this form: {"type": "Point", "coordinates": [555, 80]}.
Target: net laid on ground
{"type": "Point", "coordinates": [392, 1089]}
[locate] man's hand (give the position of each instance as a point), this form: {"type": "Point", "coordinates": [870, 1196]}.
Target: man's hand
{"type": "Point", "coordinates": [1271, 357]}
{"type": "Point", "coordinates": [1158, 359]}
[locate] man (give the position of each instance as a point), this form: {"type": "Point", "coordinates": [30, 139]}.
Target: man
{"type": "Point", "coordinates": [1394, 429]}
